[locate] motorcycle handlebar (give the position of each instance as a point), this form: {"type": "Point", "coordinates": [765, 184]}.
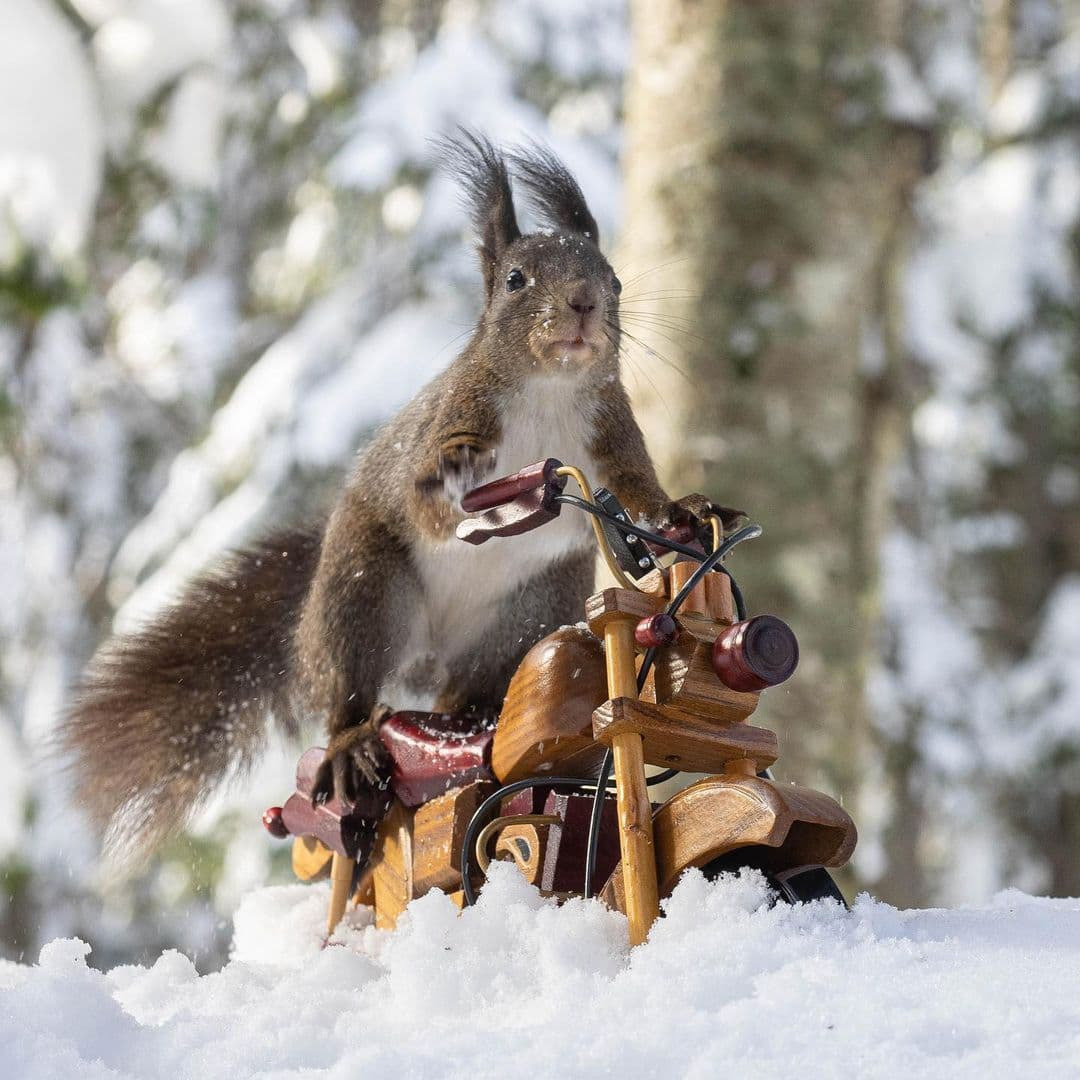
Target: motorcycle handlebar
{"type": "Point", "coordinates": [527, 499]}
{"type": "Point", "coordinates": [507, 488]}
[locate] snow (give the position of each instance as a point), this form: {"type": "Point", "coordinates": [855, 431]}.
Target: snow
{"type": "Point", "coordinates": [521, 986]}
{"type": "Point", "coordinates": [1000, 244]}
{"type": "Point", "coordinates": [1020, 106]}
{"type": "Point", "coordinates": [189, 145]}
{"type": "Point", "coordinates": [906, 98]}
{"type": "Point", "coordinates": [463, 74]}
{"type": "Point", "coordinates": [142, 44]}
{"type": "Point", "coordinates": [50, 131]}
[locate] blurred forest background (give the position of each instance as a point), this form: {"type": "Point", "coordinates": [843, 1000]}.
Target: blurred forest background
{"type": "Point", "coordinates": [850, 236]}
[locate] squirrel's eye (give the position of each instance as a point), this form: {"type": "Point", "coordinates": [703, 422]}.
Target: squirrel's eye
{"type": "Point", "coordinates": [515, 280]}
{"type": "Point", "coordinates": [616, 286]}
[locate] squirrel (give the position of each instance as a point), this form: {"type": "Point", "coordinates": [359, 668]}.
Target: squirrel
{"type": "Point", "coordinates": [380, 603]}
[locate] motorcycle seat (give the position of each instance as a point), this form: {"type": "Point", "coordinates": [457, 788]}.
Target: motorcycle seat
{"type": "Point", "coordinates": [434, 752]}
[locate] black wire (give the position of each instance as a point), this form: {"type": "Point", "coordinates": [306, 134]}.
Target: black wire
{"type": "Point", "coordinates": [748, 532]}
{"type": "Point", "coordinates": [599, 798]}
{"type": "Point", "coordinates": [740, 611]}
{"type": "Point", "coordinates": [634, 530]}
{"type": "Point", "coordinates": [706, 563]}
{"type": "Point", "coordinates": [476, 822]}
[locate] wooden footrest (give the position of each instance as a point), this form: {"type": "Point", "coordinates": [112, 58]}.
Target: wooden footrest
{"type": "Point", "coordinates": [679, 740]}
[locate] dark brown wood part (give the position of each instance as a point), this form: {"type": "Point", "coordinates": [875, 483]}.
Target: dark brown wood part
{"type": "Point", "coordinates": [513, 504]}
{"type": "Point", "coordinates": [519, 517]}
{"type": "Point", "coordinates": [538, 476]}
{"type": "Point", "coordinates": [563, 867]}
{"type": "Point", "coordinates": [755, 654]}
{"type": "Point", "coordinates": [529, 800]}
{"type": "Point", "coordinates": [435, 752]}
{"type": "Point", "coordinates": [438, 832]}
{"type": "Point", "coordinates": [683, 740]}
{"type": "Point", "coordinates": [546, 719]}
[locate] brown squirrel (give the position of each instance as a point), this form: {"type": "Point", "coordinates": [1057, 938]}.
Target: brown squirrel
{"type": "Point", "coordinates": [381, 603]}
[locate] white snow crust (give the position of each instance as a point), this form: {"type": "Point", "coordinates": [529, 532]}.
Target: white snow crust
{"type": "Point", "coordinates": [518, 986]}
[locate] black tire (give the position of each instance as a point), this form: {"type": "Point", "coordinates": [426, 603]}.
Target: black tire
{"type": "Point", "coordinates": [801, 888]}
{"type": "Point", "coordinates": [813, 884]}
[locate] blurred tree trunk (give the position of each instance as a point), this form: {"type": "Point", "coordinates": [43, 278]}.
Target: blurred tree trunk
{"type": "Point", "coordinates": [767, 203]}
{"type": "Point", "coordinates": [1036, 485]}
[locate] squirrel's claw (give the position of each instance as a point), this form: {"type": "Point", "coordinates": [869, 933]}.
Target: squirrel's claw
{"type": "Point", "coordinates": [690, 512]}
{"type": "Point", "coordinates": [356, 763]}
{"type": "Point", "coordinates": [464, 461]}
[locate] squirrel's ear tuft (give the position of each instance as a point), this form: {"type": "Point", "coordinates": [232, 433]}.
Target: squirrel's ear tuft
{"type": "Point", "coordinates": [481, 170]}
{"type": "Point", "coordinates": [553, 191]}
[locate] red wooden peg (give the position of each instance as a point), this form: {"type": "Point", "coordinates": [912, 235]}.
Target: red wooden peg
{"type": "Point", "coordinates": [655, 631]}
{"type": "Point", "coordinates": [275, 826]}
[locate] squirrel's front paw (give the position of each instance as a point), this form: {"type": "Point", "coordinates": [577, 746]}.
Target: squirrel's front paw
{"type": "Point", "coordinates": [356, 769]}
{"type": "Point", "coordinates": [464, 462]}
{"type": "Point", "coordinates": [688, 514]}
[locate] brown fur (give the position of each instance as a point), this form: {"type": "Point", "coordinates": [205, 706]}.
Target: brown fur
{"type": "Point", "coordinates": [164, 714]}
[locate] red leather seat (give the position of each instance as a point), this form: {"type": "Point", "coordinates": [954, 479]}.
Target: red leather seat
{"type": "Point", "coordinates": [434, 752]}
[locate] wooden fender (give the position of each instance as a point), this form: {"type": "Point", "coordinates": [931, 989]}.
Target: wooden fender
{"type": "Point", "coordinates": [721, 813]}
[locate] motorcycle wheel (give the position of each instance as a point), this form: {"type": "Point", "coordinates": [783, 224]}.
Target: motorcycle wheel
{"type": "Point", "coordinates": [815, 883]}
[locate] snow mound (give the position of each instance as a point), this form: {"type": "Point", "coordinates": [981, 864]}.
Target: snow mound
{"type": "Point", "coordinates": [519, 986]}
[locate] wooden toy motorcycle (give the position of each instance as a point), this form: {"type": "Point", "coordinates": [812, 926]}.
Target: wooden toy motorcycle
{"type": "Point", "coordinates": [665, 672]}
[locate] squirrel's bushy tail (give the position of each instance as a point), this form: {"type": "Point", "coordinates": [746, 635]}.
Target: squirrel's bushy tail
{"type": "Point", "coordinates": [163, 714]}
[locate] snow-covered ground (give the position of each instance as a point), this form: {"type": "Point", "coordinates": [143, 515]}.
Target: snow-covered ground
{"type": "Point", "coordinates": [726, 986]}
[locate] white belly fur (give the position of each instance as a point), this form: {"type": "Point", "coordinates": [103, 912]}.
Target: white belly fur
{"type": "Point", "coordinates": [463, 584]}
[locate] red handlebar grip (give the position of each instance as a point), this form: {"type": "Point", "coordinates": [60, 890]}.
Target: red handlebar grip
{"type": "Point", "coordinates": [507, 488]}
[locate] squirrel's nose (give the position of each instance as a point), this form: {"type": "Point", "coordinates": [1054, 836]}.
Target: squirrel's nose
{"type": "Point", "coordinates": [582, 298]}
